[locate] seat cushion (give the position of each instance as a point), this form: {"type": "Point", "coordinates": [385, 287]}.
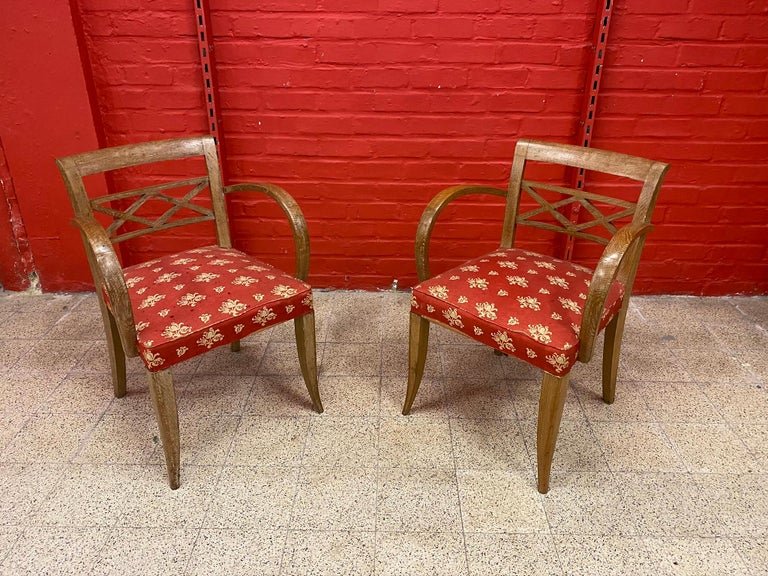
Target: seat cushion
{"type": "Point", "coordinates": [190, 302]}
{"type": "Point", "coordinates": [522, 303]}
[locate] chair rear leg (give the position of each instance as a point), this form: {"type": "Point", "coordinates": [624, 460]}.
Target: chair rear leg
{"type": "Point", "coordinates": [235, 346]}
{"type": "Point", "coordinates": [164, 401]}
{"type": "Point", "coordinates": [115, 351]}
{"type": "Point", "coordinates": [611, 351]}
{"type": "Point", "coordinates": [551, 402]}
{"type": "Point", "coordinates": [307, 349]}
{"type": "Point", "coordinates": [417, 356]}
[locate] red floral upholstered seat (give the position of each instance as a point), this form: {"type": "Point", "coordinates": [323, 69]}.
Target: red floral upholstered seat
{"type": "Point", "coordinates": [522, 303]}
{"type": "Point", "coordinates": [187, 303]}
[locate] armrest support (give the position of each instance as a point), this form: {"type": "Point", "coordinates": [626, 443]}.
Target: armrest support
{"type": "Point", "coordinates": [295, 219]}
{"type": "Point", "coordinates": [108, 278]}
{"type": "Point", "coordinates": [619, 259]}
{"type": "Point", "coordinates": [428, 217]}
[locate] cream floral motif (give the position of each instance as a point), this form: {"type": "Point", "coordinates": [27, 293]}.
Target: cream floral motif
{"type": "Point", "coordinates": [532, 272]}
{"type": "Point", "coordinates": [244, 281]}
{"type": "Point", "coordinates": [199, 251]}
{"type": "Point", "coordinates": [463, 299]}
{"type": "Point", "coordinates": [153, 359]}
{"type": "Point", "coordinates": [263, 316]}
{"type": "Point", "coordinates": [480, 283]}
{"type": "Point", "coordinates": [181, 261]}
{"type": "Point", "coordinates": [205, 277]}
{"type": "Point", "coordinates": [454, 277]}
{"type": "Point", "coordinates": [485, 260]}
{"type": "Point", "coordinates": [566, 346]}
{"type": "Point", "coordinates": [176, 330]}
{"type": "Point", "coordinates": [558, 281]}
{"type": "Point", "coordinates": [440, 292]}
{"type": "Point", "coordinates": [157, 269]}
{"type": "Point", "coordinates": [231, 270]}
{"type": "Point", "coordinates": [582, 296]}
{"type": "Point", "coordinates": [194, 268]}
{"type": "Point", "coordinates": [569, 273]}
{"type": "Point", "coordinates": [556, 316]}
{"type": "Point", "coordinates": [219, 289]}
{"type": "Point", "coordinates": [180, 351]}
{"type": "Point", "coordinates": [210, 337]}
{"type": "Point", "coordinates": [219, 262]}
{"type": "Point", "coordinates": [453, 317]}
{"type": "Point", "coordinates": [471, 268]}
{"type": "Point", "coordinates": [502, 293]}
{"type": "Point", "coordinates": [478, 331]}
{"type": "Point", "coordinates": [141, 291]}
{"type": "Point", "coordinates": [289, 308]}
{"type": "Point", "coordinates": [150, 301]}
{"type": "Point", "coordinates": [546, 265]}
{"type": "Point", "coordinates": [569, 304]}
{"type": "Point", "coordinates": [576, 328]}
{"type": "Point", "coordinates": [239, 328]}
{"type": "Point", "coordinates": [131, 282]}
{"type": "Point", "coordinates": [558, 361]}
{"type": "Point", "coordinates": [540, 333]}
{"type": "Point", "coordinates": [164, 312]}
{"type": "Point", "coordinates": [256, 268]}
{"type": "Point", "coordinates": [190, 299]}
{"type": "Point", "coordinates": [543, 291]}
{"type": "Point", "coordinates": [232, 307]}
{"type": "Point", "coordinates": [503, 341]}
{"type": "Point", "coordinates": [513, 321]}
{"type": "Point", "coordinates": [179, 287]}
{"type": "Point", "coordinates": [530, 353]}
{"type": "Point", "coordinates": [270, 277]}
{"type": "Point", "coordinates": [486, 310]}
{"type": "Point", "coordinates": [492, 273]}
{"type": "Point", "coordinates": [517, 281]}
{"type": "Point", "coordinates": [529, 302]}
{"type": "Point", "coordinates": [414, 302]}
{"type": "Point", "coordinates": [430, 308]}
{"type": "Point", "coordinates": [148, 264]}
{"type": "Point", "coordinates": [149, 343]}
{"type": "Point", "coordinates": [258, 297]}
{"type": "Point", "coordinates": [142, 326]}
{"type": "Point", "coordinates": [205, 317]}
{"type": "Point", "coordinates": [508, 264]}
{"type": "Point", "coordinates": [167, 277]}
{"type": "Point", "coordinates": [283, 291]}
{"type": "Point", "coordinates": [307, 301]}
{"type": "Point", "coordinates": [586, 283]}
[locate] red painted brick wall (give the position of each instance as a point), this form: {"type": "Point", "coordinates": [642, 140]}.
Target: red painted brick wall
{"type": "Point", "coordinates": [364, 110]}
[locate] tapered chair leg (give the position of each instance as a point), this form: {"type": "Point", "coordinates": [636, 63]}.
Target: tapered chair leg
{"type": "Point", "coordinates": [611, 352]}
{"type": "Point", "coordinates": [115, 351]}
{"type": "Point", "coordinates": [417, 356]}
{"type": "Point", "coordinates": [307, 348]}
{"type": "Point", "coordinates": [235, 346]}
{"type": "Point", "coordinates": [551, 402]}
{"type": "Point", "coordinates": [164, 401]}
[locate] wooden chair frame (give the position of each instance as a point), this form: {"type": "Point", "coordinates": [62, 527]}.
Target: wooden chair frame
{"type": "Point", "coordinates": [619, 261]}
{"type": "Point", "coordinates": [107, 271]}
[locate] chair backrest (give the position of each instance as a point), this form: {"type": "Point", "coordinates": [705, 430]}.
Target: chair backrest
{"type": "Point", "coordinates": [648, 172]}
{"type": "Point", "coordinates": [75, 168]}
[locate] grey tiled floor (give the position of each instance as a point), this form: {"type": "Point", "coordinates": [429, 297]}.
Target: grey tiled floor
{"type": "Point", "coordinates": [671, 479]}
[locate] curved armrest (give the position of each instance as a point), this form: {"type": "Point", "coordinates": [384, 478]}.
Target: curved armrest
{"type": "Point", "coordinates": [109, 279]}
{"type": "Point", "coordinates": [295, 219]}
{"type": "Point", "coordinates": [621, 251]}
{"type": "Point", "coordinates": [429, 216]}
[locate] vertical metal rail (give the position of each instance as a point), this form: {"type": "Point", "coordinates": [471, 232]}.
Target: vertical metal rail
{"type": "Point", "coordinates": [592, 84]}
{"type": "Point", "coordinates": [208, 66]}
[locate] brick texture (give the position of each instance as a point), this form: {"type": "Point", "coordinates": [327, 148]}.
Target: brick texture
{"type": "Point", "coordinates": [365, 110]}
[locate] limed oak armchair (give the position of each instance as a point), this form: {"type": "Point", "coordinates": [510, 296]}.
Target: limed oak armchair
{"type": "Point", "coordinates": [179, 306]}
{"type": "Point", "coordinates": [539, 309]}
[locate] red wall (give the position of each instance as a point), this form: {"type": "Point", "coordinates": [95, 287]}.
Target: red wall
{"type": "Point", "coordinates": [364, 113]}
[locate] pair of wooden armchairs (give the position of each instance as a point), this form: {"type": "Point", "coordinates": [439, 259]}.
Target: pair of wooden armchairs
{"type": "Point", "coordinates": [543, 310]}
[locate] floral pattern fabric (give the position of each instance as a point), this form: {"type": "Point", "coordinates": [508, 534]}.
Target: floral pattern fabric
{"type": "Point", "coordinates": [521, 303]}
{"type": "Point", "coordinates": [190, 302]}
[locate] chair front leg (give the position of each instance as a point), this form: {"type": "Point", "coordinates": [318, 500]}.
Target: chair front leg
{"type": "Point", "coordinates": [551, 402]}
{"type": "Point", "coordinates": [164, 401]}
{"type": "Point", "coordinates": [114, 349]}
{"type": "Point", "coordinates": [417, 357]}
{"type": "Point", "coordinates": [611, 351]}
{"type": "Point", "coordinates": [307, 348]}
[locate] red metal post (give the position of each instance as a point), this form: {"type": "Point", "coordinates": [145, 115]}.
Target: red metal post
{"type": "Point", "coordinates": [208, 65]}
{"type": "Point", "coordinates": [592, 89]}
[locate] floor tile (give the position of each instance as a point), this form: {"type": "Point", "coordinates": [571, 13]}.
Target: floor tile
{"type": "Point", "coordinates": [710, 448]}
{"type": "Point", "coordinates": [55, 356]}
{"type": "Point", "coordinates": [608, 555]}
{"type": "Point", "coordinates": [525, 396]}
{"type": "Point", "coordinates": [488, 444]}
{"type": "Point", "coordinates": [430, 401]}
{"type": "Point", "coordinates": [24, 391]}
{"type": "Point", "coordinates": [472, 364]}
{"type": "Point", "coordinates": [479, 399]}
{"type": "Point", "coordinates": [8, 537]}
{"type": "Point", "coordinates": [222, 360]}
{"type": "Point", "coordinates": [420, 554]}
{"type": "Point", "coordinates": [695, 556]}
{"type": "Point", "coordinates": [282, 396]}
{"type": "Point", "coordinates": [632, 446]}
{"type": "Point", "coordinates": [119, 439]}
{"type": "Point", "coordinates": [335, 499]}
{"type": "Point", "coordinates": [146, 551]}
{"type": "Point", "coordinates": [280, 359]}
{"type": "Point", "coordinates": [90, 393]}
{"type": "Point", "coordinates": [500, 501]}
{"type": "Point", "coordinates": [55, 551]}
{"type": "Point", "coordinates": [629, 405]}
{"type": "Point", "coordinates": [328, 553]}
{"type": "Point", "coordinates": [350, 395]}
{"type": "Point", "coordinates": [742, 402]}
{"type": "Point", "coordinates": [505, 554]}
{"type": "Point", "coordinates": [205, 440]}
{"type": "Point", "coordinates": [237, 553]}
{"type": "Point", "coordinates": [415, 443]}
{"type": "Point", "coordinates": [212, 394]}
{"type": "Point", "coordinates": [577, 447]}
{"type": "Point", "coordinates": [49, 438]}
{"type": "Point", "coordinates": [740, 501]}
{"type": "Point", "coordinates": [754, 436]}
{"type": "Point", "coordinates": [678, 402]}
{"type": "Point", "coordinates": [23, 488]}
{"type": "Point", "coordinates": [261, 441]}
{"type": "Point", "coordinates": [417, 501]}
{"type": "Point", "coordinates": [351, 359]}
{"type": "Point", "coordinates": [754, 554]}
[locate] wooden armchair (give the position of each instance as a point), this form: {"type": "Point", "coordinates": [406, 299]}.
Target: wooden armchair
{"type": "Point", "coordinates": [176, 307]}
{"type": "Point", "coordinates": [542, 310]}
